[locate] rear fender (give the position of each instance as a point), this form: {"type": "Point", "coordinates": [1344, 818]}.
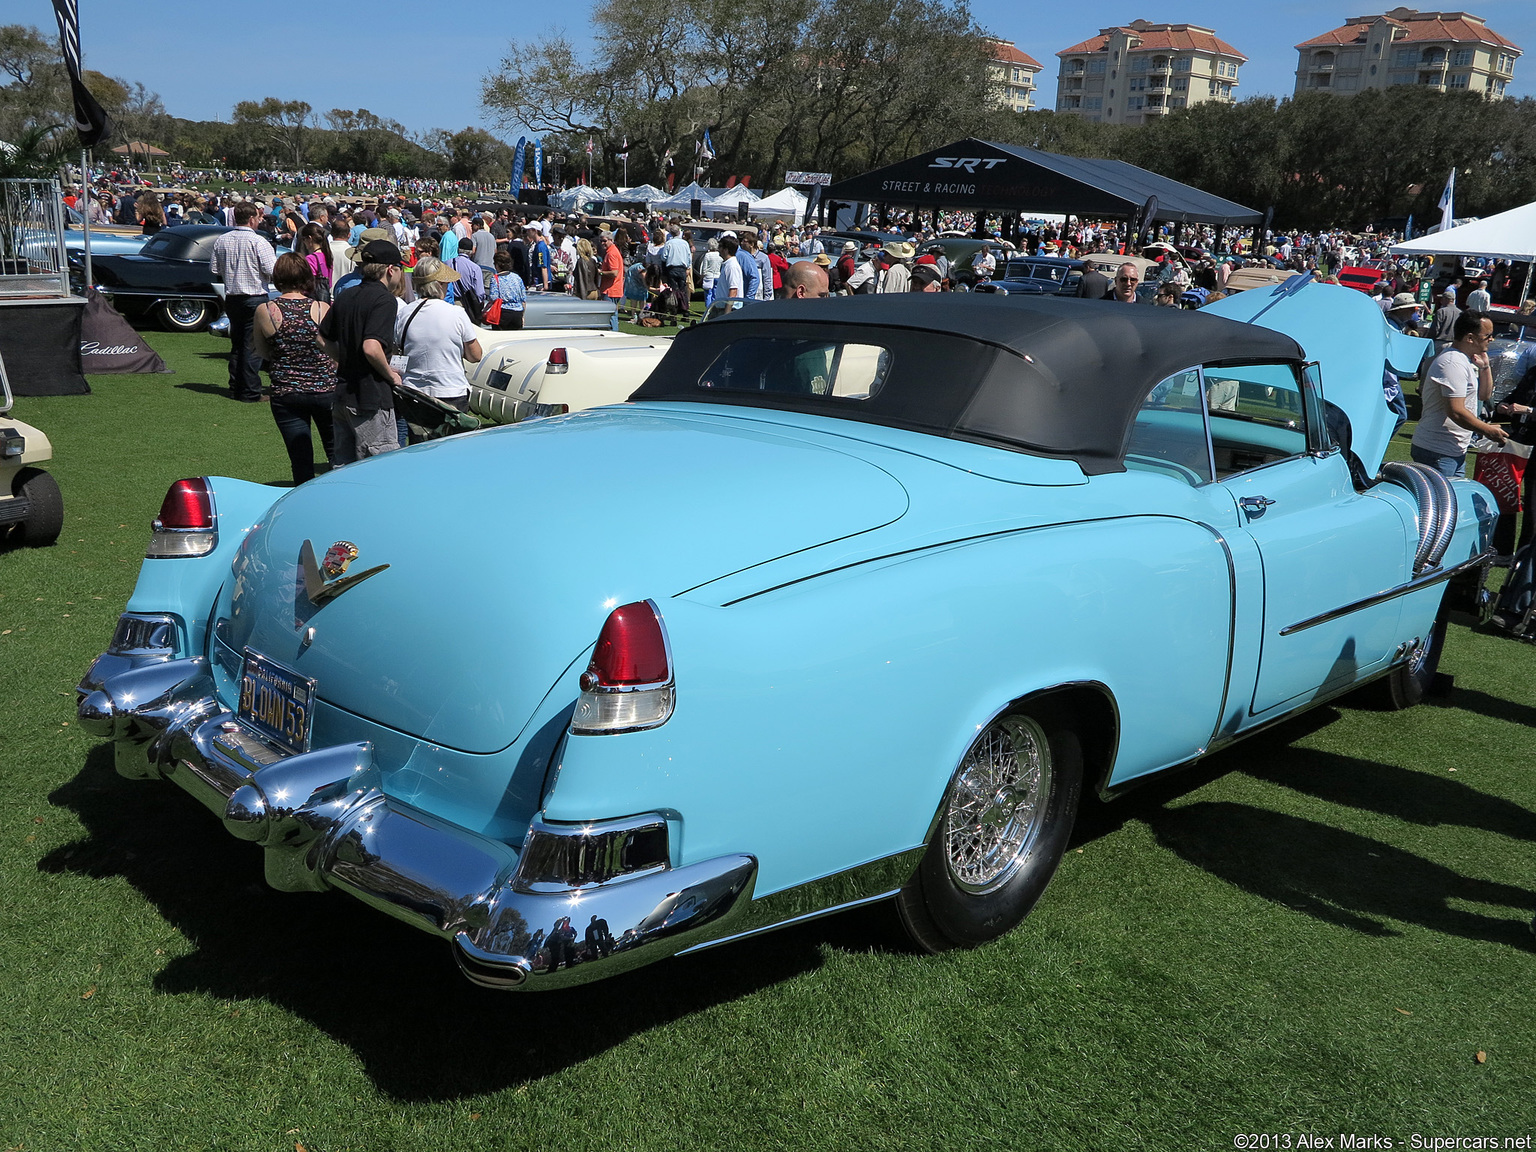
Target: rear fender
{"type": "Point", "coordinates": [187, 587]}
{"type": "Point", "coordinates": [818, 725]}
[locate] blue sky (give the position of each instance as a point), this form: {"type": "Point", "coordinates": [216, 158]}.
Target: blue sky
{"type": "Point", "coordinates": [201, 67]}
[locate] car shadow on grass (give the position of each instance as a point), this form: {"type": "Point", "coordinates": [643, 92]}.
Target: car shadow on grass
{"type": "Point", "coordinates": [1471, 700]}
{"type": "Point", "coordinates": [1333, 875]}
{"type": "Point", "coordinates": [388, 992]}
{"type": "Point", "coordinates": [1338, 877]}
{"type": "Point", "coordinates": [1422, 798]}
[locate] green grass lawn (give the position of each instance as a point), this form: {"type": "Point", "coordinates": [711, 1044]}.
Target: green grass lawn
{"type": "Point", "coordinates": [1318, 931]}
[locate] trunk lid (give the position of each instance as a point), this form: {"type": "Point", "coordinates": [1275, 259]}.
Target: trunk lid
{"type": "Point", "coordinates": [506, 550]}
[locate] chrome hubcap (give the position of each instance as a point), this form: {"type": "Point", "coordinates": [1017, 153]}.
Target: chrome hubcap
{"type": "Point", "coordinates": [184, 311]}
{"type": "Point", "coordinates": [997, 804]}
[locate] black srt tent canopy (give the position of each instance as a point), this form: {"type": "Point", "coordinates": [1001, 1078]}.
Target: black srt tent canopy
{"type": "Point", "coordinates": [979, 174]}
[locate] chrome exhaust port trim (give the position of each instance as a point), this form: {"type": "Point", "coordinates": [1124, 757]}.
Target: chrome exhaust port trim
{"type": "Point", "coordinates": [323, 821]}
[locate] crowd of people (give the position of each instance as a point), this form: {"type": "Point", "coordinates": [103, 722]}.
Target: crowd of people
{"type": "Point", "coordinates": [327, 181]}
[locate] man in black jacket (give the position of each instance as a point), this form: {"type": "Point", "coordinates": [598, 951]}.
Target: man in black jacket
{"type": "Point", "coordinates": [1094, 285]}
{"type": "Point", "coordinates": [359, 334]}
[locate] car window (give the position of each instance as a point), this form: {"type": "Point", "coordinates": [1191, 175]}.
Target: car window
{"type": "Point", "coordinates": [1257, 416]}
{"type": "Point", "coordinates": [161, 246]}
{"type": "Point", "coordinates": [799, 368]}
{"type": "Point", "coordinates": [1168, 436]}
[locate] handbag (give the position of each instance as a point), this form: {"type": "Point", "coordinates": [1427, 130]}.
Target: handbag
{"type": "Point", "coordinates": [1501, 473]}
{"type": "Point", "coordinates": [429, 418]}
{"type": "Point", "coordinates": [493, 313]}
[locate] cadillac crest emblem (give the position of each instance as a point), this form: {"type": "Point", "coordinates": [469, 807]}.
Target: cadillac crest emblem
{"type": "Point", "coordinates": [337, 557]}
{"type": "Point", "coordinates": [323, 581]}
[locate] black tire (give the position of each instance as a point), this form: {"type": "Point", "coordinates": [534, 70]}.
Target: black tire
{"type": "Point", "coordinates": [185, 315]}
{"type": "Point", "coordinates": [980, 877]}
{"type": "Point", "coordinates": [46, 519]}
{"type": "Point", "coordinates": [1408, 684]}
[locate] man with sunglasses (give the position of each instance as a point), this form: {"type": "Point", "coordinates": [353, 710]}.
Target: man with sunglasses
{"type": "Point", "coordinates": [1124, 287]}
{"type": "Point", "coordinates": [1457, 380]}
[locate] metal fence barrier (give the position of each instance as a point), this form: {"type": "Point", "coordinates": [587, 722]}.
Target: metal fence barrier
{"type": "Point", "coordinates": [32, 257]}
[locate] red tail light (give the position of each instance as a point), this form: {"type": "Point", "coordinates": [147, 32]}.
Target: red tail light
{"type": "Point", "coordinates": [185, 526]}
{"type": "Point", "coordinates": [631, 649]}
{"type": "Point", "coordinates": [187, 506]}
{"type": "Point", "coordinates": [628, 686]}
{"type": "Point", "coordinates": [559, 361]}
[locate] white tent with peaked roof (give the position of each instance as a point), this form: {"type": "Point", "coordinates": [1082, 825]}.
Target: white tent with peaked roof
{"type": "Point", "coordinates": [682, 200]}
{"type": "Point", "coordinates": [574, 199]}
{"type": "Point", "coordinates": [788, 202]}
{"type": "Point", "coordinates": [644, 194]}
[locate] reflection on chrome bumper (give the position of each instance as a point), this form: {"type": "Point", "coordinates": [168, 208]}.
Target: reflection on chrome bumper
{"type": "Point", "coordinates": [324, 822]}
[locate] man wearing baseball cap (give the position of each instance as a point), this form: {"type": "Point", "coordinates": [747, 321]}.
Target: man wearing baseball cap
{"type": "Point", "coordinates": [359, 334]}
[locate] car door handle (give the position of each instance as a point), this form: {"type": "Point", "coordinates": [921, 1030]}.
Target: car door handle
{"type": "Point", "coordinates": [1254, 505]}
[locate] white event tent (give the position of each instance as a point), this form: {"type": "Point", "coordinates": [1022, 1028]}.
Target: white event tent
{"type": "Point", "coordinates": [1508, 236]}
{"type": "Point", "coordinates": [788, 202]}
{"type": "Point", "coordinates": [644, 194]}
{"type": "Point", "coordinates": [575, 198]}
{"type": "Point", "coordinates": [682, 200]}
{"type": "Point", "coordinates": [729, 199]}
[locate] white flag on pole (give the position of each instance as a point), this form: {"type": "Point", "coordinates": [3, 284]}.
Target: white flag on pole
{"type": "Point", "coordinates": [1447, 203]}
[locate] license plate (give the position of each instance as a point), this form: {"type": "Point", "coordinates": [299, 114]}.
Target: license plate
{"type": "Point", "coordinates": [276, 704]}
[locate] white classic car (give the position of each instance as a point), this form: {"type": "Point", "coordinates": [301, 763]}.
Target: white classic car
{"type": "Point", "coordinates": [545, 373]}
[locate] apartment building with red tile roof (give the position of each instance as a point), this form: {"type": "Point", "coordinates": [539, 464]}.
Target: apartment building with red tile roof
{"type": "Point", "coordinates": [1446, 51]}
{"type": "Point", "coordinates": [1013, 75]}
{"type": "Point", "coordinates": [1136, 73]}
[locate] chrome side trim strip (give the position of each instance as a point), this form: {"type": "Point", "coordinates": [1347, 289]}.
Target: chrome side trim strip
{"type": "Point", "coordinates": [864, 884]}
{"type": "Point", "coordinates": [876, 898]}
{"type": "Point", "coordinates": [1427, 580]}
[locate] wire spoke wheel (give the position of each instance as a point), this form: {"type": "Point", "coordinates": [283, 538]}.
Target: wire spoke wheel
{"type": "Point", "coordinates": [1006, 818]}
{"type": "Point", "coordinates": [996, 807]}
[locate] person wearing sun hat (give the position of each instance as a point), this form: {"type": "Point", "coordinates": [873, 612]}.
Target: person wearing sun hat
{"type": "Point", "coordinates": [435, 337]}
{"type": "Point", "coordinates": [1403, 313]}
{"type": "Point", "coordinates": [353, 278]}
{"type": "Point", "coordinates": [896, 257]}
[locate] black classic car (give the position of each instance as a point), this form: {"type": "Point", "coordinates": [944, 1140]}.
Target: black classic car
{"type": "Point", "coordinates": [169, 280]}
{"type": "Point", "coordinates": [1037, 276]}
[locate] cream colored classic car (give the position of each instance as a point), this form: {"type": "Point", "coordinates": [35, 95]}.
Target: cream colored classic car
{"type": "Point", "coordinates": [543, 373]}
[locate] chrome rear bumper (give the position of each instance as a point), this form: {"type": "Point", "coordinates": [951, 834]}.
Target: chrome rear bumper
{"type": "Point", "coordinates": [325, 822]}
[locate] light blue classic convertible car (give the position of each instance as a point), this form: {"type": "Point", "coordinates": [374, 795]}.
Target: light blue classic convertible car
{"type": "Point", "coordinates": [849, 602]}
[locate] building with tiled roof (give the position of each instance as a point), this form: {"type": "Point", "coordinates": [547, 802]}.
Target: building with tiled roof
{"type": "Point", "coordinates": [1141, 71]}
{"type": "Point", "coordinates": [1447, 51]}
{"type": "Point", "coordinates": [1013, 76]}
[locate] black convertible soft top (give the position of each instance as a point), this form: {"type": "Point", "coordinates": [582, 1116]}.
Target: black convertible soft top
{"type": "Point", "coordinates": [1046, 375]}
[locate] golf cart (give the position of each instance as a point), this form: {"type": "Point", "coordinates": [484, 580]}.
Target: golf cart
{"type": "Point", "coordinates": [31, 506]}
